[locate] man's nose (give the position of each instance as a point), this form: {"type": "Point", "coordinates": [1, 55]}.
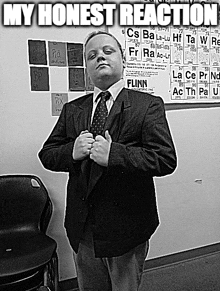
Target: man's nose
{"type": "Point", "coordinates": [101, 56]}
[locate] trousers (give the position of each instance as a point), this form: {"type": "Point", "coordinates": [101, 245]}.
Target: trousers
{"type": "Point", "coordinates": [122, 273]}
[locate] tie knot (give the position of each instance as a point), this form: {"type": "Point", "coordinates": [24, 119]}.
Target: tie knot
{"type": "Point", "coordinates": [105, 95]}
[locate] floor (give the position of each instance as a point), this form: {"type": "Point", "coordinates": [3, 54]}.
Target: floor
{"type": "Point", "coordinates": [195, 270]}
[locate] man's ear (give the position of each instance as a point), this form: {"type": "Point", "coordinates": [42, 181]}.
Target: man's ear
{"type": "Point", "coordinates": [84, 54]}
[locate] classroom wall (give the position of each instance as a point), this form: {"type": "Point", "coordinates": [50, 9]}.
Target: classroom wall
{"type": "Point", "coordinates": [188, 200]}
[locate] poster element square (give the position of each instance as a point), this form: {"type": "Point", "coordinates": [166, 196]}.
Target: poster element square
{"type": "Point", "coordinates": [76, 79]}
{"type": "Point", "coordinates": [57, 54]}
{"type": "Point", "coordinates": [39, 79]}
{"type": "Point", "coordinates": [75, 54]}
{"type": "Point", "coordinates": [37, 52]}
{"type": "Point", "coordinates": [57, 102]}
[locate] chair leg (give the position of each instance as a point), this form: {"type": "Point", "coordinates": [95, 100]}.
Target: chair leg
{"type": "Point", "coordinates": [51, 278]}
{"type": "Point", "coordinates": [56, 273]}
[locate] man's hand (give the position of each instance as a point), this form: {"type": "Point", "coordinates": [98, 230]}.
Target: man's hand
{"type": "Point", "coordinates": [100, 149]}
{"type": "Point", "coordinates": [83, 145]}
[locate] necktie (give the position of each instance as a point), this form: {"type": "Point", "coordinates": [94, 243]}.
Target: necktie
{"type": "Point", "coordinates": [101, 113]}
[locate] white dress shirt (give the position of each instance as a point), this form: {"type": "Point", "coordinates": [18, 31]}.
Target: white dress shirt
{"type": "Point", "coordinates": [115, 89]}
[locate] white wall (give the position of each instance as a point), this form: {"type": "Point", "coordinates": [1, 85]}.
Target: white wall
{"type": "Point", "coordinates": [189, 200]}
{"type": "Point", "coordinates": [189, 211]}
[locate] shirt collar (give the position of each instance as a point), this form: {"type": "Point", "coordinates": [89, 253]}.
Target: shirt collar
{"type": "Point", "coordinates": [115, 89]}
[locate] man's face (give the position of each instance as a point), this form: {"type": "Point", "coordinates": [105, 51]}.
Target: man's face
{"type": "Point", "coordinates": [104, 61]}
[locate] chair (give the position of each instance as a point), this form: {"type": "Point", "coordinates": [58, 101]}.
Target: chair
{"type": "Point", "coordinates": [28, 258]}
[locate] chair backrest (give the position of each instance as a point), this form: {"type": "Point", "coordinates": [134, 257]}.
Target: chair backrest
{"type": "Point", "coordinates": [24, 203]}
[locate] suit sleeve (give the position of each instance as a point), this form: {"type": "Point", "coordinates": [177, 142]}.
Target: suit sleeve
{"type": "Point", "coordinates": [56, 153]}
{"type": "Point", "coordinates": [156, 155]}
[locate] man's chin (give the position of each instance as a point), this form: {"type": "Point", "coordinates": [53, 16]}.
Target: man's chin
{"type": "Point", "coordinates": [104, 81]}
{"type": "Point", "coordinates": [104, 74]}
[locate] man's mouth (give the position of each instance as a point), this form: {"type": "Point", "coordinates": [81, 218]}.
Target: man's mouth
{"type": "Point", "coordinates": [102, 65]}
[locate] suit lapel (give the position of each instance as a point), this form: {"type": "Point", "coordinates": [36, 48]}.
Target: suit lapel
{"type": "Point", "coordinates": [82, 116]}
{"type": "Point", "coordinates": [115, 118]}
{"type": "Point", "coordinates": [113, 125]}
{"type": "Point", "coordinates": [81, 120]}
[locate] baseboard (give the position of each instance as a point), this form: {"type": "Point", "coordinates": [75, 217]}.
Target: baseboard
{"type": "Point", "coordinates": [152, 265]}
{"type": "Point", "coordinates": [181, 256]}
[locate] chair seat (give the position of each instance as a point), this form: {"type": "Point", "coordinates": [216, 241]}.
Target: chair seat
{"type": "Point", "coordinates": [24, 251]}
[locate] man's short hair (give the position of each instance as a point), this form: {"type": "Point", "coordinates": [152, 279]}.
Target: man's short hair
{"type": "Point", "coordinates": [94, 33]}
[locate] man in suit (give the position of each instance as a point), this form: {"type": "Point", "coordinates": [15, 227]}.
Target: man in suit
{"type": "Point", "coordinates": [112, 145]}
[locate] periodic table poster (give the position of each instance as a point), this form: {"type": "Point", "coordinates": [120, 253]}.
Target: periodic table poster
{"type": "Point", "coordinates": [179, 63]}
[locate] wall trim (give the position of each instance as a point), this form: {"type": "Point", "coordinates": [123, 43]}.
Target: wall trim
{"type": "Point", "coordinates": [181, 256]}
{"type": "Point", "coordinates": [196, 105]}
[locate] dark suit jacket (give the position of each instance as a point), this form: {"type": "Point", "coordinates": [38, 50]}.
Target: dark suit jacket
{"type": "Point", "coordinates": [120, 198]}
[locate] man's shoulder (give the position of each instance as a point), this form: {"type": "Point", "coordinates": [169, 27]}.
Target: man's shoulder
{"type": "Point", "coordinates": [144, 96]}
{"type": "Point", "coordinates": [80, 101]}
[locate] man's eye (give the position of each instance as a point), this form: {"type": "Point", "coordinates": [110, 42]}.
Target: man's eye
{"type": "Point", "coordinates": [92, 56]}
{"type": "Point", "coordinates": [108, 51]}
